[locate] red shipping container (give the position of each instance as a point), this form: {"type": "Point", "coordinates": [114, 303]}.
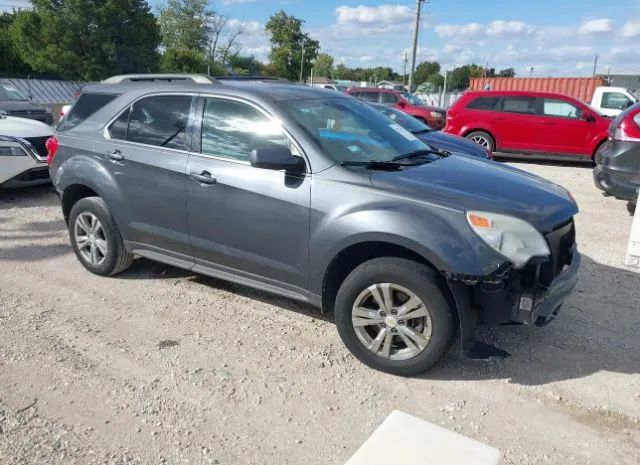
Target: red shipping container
{"type": "Point", "coordinates": [581, 88]}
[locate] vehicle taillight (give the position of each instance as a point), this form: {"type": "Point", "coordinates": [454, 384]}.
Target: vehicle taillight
{"type": "Point", "coordinates": [52, 147]}
{"type": "Point", "coordinates": [628, 129]}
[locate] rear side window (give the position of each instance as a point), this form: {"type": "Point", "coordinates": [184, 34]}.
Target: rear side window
{"type": "Point", "coordinates": [614, 101]}
{"type": "Point", "coordinates": [484, 103]}
{"type": "Point", "coordinates": [85, 106]}
{"type": "Point", "coordinates": [370, 96]}
{"type": "Point", "coordinates": [159, 120]}
{"type": "Point", "coordinates": [526, 105]}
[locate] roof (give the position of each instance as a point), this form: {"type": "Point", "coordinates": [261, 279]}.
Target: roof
{"type": "Point", "coordinates": [516, 93]}
{"type": "Point", "coordinates": [45, 91]}
{"type": "Point", "coordinates": [373, 89]}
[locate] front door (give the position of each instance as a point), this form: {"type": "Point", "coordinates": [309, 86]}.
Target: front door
{"type": "Point", "coordinates": [146, 151]}
{"type": "Point", "coordinates": [248, 221]}
{"type": "Point", "coordinates": [564, 129]}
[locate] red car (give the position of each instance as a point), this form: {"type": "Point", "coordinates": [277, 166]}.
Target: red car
{"type": "Point", "coordinates": [529, 124]}
{"type": "Point", "coordinates": [431, 116]}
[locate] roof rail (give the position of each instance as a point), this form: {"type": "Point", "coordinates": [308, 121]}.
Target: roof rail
{"type": "Point", "coordinates": [254, 79]}
{"type": "Point", "coordinates": [178, 77]}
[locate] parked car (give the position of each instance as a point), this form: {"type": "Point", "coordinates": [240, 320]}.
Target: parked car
{"type": "Point", "coordinates": [15, 103]}
{"type": "Point", "coordinates": [529, 124]}
{"type": "Point", "coordinates": [618, 174]}
{"type": "Point", "coordinates": [23, 154]}
{"type": "Point", "coordinates": [316, 196]}
{"type": "Point", "coordinates": [432, 116]}
{"type": "Point", "coordinates": [437, 139]}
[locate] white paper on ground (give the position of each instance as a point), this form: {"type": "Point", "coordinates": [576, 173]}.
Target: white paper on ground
{"type": "Point", "coordinates": [403, 439]}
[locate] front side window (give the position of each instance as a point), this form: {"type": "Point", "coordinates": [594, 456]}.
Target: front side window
{"type": "Point", "coordinates": [389, 99]}
{"type": "Point", "coordinates": [525, 105]}
{"type": "Point", "coordinates": [348, 130]}
{"type": "Point", "coordinates": [8, 92]}
{"type": "Point", "coordinates": [484, 103]}
{"type": "Point", "coordinates": [412, 99]}
{"type": "Point", "coordinates": [160, 120]}
{"type": "Point", "coordinates": [557, 107]}
{"type": "Point", "coordinates": [232, 129]}
{"type": "Point", "coordinates": [615, 100]}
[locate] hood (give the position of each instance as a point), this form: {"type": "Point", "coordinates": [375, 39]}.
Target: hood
{"type": "Point", "coordinates": [23, 127]}
{"type": "Point", "coordinates": [10, 106]}
{"type": "Point", "coordinates": [452, 143]}
{"type": "Point", "coordinates": [465, 183]}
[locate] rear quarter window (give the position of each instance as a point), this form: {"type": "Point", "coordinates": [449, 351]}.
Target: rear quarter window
{"type": "Point", "coordinates": [85, 106]}
{"type": "Point", "coordinates": [483, 103]}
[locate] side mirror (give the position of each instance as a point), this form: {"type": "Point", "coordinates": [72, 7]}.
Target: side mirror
{"type": "Point", "coordinates": [588, 117]}
{"type": "Point", "coordinates": [276, 157]}
{"type": "Point", "coordinates": [627, 104]}
{"type": "Point", "coordinates": [401, 104]}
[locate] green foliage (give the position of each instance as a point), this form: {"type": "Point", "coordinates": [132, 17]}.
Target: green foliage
{"type": "Point", "coordinates": [323, 65]}
{"type": "Point", "coordinates": [425, 70]}
{"type": "Point", "coordinates": [78, 39]}
{"type": "Point", "coordinates": [379, 73]}
{"type": "Point", "coordinates": [10, 60]}
{"type": "Point", "coordinates": [184, 24]}
{"type": "Point", "coordinates": [183, 60]}
{"type": "Point", "coordinates": [245, 66]}
{"type": "Point", "coordinates": [460, 77]}
{"type": "Point", "coordinates": [287, 42]}
{"type": "Point", "coordinates": [508, 72]}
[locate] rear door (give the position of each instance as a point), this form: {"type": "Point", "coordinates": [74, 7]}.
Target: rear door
{"type": "Point", "coordinates": [563, 130]}
{"type": "Point", "coordinates": [518, 125]}
{"type": "Point", "coordinates": [248, 221]}
{"type": "Point", "coordinates": [146, 148]}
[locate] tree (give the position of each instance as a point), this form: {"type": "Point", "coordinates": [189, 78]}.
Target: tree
{"type": "Point", "coordinates": [245, 66]}
{"type": "Point", "coordinates": [425, 70]}
{"type": "Point", "coordinates": [183, 60]}
{"type": "Point", "coordinates": [323, 65]}
{"type": "Point", "coordinates": [287, 45]}
{"type": "Point", "coordinates": [508, 72]}
{"type": "Point", "coordinates": [76, 39]}
{"type": "Point", "coordinates": [460, 77]}
{"type": "Point", "coordinates": [185, 24]}
{"type": "Point", "coordinates": [10, 60]}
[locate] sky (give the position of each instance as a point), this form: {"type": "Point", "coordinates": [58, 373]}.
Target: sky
{"type": "Point", "coordinates": [554, 37]}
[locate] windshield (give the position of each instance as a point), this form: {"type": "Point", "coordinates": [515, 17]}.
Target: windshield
{"type": "Point", "coordinates": [348, 129]}
{"type": "Point", "coordinates": [406, 121]}
{"type": "Point", "coordinates": [8, 92]}
{"type": "Point", "coordinates": [412, 99]}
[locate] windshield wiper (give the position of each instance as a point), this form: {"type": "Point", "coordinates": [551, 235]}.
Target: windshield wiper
{"type": "Point", "coordinates": [421, 153]}
{"type": "Point", "coordinates": [376, 165]}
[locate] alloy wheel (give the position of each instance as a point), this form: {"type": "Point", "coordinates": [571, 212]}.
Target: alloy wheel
{"type": "Point", "coordinates": [90, 238]}
{"type": "Point", "coordinates": [481, 141]}
{"type": "Point", "coordinates": [391, 321]}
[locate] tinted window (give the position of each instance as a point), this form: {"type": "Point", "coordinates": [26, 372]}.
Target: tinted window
{"type": "Point", "coordinates": [159, 120]}
{"type": "Point", "coordinates": [85, 106]}
{"type": "Point", "coordinates": [614, 100]}
{"type": "Point", "coordinates": [557, 107]}
{"type": "Point", "coordinates": [348, 129]}
{"type": "Point", "coordinates": [233, 129]}
{"type": "Point", "coordinates": [525, 105]}
{"type": "Point", "coordinates": [389, 99]}
{"type": "Point", "coordinates": [370, 96]}
{"type": "Point", "coordinates": [483, 103]}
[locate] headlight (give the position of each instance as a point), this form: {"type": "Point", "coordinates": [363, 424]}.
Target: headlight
{"type": "Point", "coordinates": [11, 151]}
{"type": "Point", "coordinates": [517, 240]}
{"type": "Point", "coordinates": [437, 114]}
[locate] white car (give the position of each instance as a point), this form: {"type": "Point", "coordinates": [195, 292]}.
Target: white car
{"type": "Point", "coordinates": [23, 152]}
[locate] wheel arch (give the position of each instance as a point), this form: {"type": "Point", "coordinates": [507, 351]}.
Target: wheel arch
{"type": "Point", "coordinates": [597, 147]}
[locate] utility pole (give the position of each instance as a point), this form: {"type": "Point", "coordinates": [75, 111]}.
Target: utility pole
{"type": "Point", "coordinates": [404, 74]}
{"type": "Point", "coordinates": [416, 31]}
{"type": "Point", "coordinates": [302, 62]}
{"type": "Point", "coordinates": [595, 65]}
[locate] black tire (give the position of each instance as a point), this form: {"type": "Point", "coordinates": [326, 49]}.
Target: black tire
{"type": "Point", "coordinates": [597, 157]}
{"type": "Point", "coordinates": [117, 258]}
{"type": "Point", "coordinates": [424, 283]}
{"type": "Point", "coordinates": [488, 143]}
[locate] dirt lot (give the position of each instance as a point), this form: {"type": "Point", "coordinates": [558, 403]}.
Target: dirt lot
{"type": "Point", "coordinates": [159, 365]}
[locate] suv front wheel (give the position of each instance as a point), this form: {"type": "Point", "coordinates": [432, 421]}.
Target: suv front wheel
{"type": "Point", "coordinates": [393, 316]}
{"type": "Point", "coordinates": [96, 239]}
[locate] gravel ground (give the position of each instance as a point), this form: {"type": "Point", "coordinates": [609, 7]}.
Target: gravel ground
{"type": "Point", "coordinates": [159, 365]}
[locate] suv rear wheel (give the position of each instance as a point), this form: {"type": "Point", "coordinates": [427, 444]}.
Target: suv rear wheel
{"type": "Point", "coordinates": [482, 139]}
{"type": "Point", "coordinates": [393, 316]}
{"type": "Point", "coordinates": [96, 239]}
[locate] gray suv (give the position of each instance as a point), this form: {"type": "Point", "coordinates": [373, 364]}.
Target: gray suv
{"type": "Point", "coordinates": [318, 197]}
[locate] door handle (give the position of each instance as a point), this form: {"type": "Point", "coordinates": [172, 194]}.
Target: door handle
{"type": "Point", "coordinates": [115, 155]}
{"type": "Point", "coordinates": [203, 178]}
